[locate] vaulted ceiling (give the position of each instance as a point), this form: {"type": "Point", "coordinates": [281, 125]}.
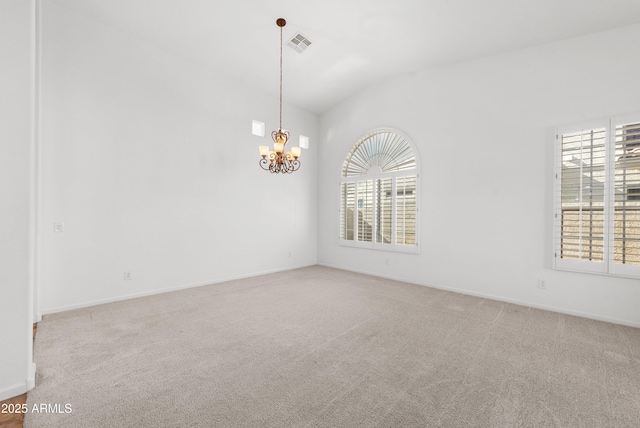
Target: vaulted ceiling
{"type": "Point", "coordinates": [354, 42]}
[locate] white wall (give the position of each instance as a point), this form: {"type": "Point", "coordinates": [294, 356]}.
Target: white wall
{"type": "Point", "coordinates": [484, 133]}
{"type": "Point", "coordinates": [16, 369]}
{"type": "Point", "coordinates": [149, 162]}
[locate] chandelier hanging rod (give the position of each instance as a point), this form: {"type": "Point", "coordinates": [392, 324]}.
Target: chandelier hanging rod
{"type": "Point", "coordinates": [280, 22]}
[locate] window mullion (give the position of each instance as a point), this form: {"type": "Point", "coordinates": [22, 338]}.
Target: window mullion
{"type": "Point", "coordinates": [356, 213]}
{"type": "Point", "coordinates": [609, 197]}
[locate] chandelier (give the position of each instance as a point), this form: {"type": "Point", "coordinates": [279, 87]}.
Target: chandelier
{"type": "Point", "coordinates": [276, 160]}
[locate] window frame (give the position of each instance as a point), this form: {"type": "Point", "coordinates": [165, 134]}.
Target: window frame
{"type": "Point", "coordinates": [393, 246]}
{"type": "Point", "coordinates": [607, 266]}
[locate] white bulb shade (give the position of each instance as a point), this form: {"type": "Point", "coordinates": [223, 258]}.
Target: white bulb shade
{"type": "Point", "coordinates": [278, 147]}
{"type": "Point", "coordinates": [295, 151]}
{"type": "Point", "coordinates": [264, 150]}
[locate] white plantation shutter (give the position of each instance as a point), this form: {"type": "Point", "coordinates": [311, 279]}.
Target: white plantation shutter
{"type": "Point", "coordinates": [597, 202]}
{"type": "Point", "coordinates": [406, 210]}
{"type": "Point", "coordinates": [625, 220]}
{"type": "Point", "coordinates": [378, 196]}
{"type": "Point", "coordinates": [347, 211]}
{"type": "Point", "coordinates": [365, 210]}
{"type": "Point", "coordinates": [384, 213]}
{"type": "Point", "coordinates": [582, 179]}
{"type": "Point", "coordinates": [384, 149]}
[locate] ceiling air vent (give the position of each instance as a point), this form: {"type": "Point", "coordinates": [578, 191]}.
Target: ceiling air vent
{"type": "Point", "coordinates": [299, 43]}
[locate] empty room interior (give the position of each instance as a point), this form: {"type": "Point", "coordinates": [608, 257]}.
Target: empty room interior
{"type": "Point", "coordinates": [328, 213]}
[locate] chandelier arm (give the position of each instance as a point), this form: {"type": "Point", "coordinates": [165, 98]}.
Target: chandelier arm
{"type": "Point", "coordinates": [280, 164]}
{"type": "Point", "coordinates": [264, 164]}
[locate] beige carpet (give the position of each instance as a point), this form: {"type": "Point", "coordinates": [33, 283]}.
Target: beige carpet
{"type": "Point", "coordinates": [318, 347]}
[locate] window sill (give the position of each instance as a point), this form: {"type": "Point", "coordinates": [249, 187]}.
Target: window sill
{"type": "Point", "coordinates": [413, 249]}
{"type": "Point", "coordinates": [625, 271]}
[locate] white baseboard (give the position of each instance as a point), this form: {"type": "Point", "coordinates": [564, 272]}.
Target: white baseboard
{"type": "Point", "coordinates": [21, 388]}
{"type": "Point", "coordinates": [31, 381]}
{"type": "Point", "coordinates": [592, 316]}
{"type": "Point", "coordinates": [162, 290]}
{"type": "Point", "coordinates": [440, 287]}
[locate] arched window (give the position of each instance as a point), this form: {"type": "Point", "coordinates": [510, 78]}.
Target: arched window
{"type": "Point", "coordinates": [378, 193]}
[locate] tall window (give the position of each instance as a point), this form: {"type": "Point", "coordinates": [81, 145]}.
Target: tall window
{"type": "Point", "coordinates": [598, 197]}
{"type": "Point", "coordinates": [378, 193]}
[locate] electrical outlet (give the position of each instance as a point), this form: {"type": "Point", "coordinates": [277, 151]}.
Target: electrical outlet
{"type": "Point", "coordinates": [127, 276]}
{"type": "Point", "coordinates": [542, 284]}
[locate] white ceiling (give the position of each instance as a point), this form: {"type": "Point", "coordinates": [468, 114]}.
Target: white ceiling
{"type": "Point", "coordinates": [355, 42]}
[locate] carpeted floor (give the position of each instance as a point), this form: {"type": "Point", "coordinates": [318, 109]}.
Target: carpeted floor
{"type": "Point", "coordinates": [318, 347]}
